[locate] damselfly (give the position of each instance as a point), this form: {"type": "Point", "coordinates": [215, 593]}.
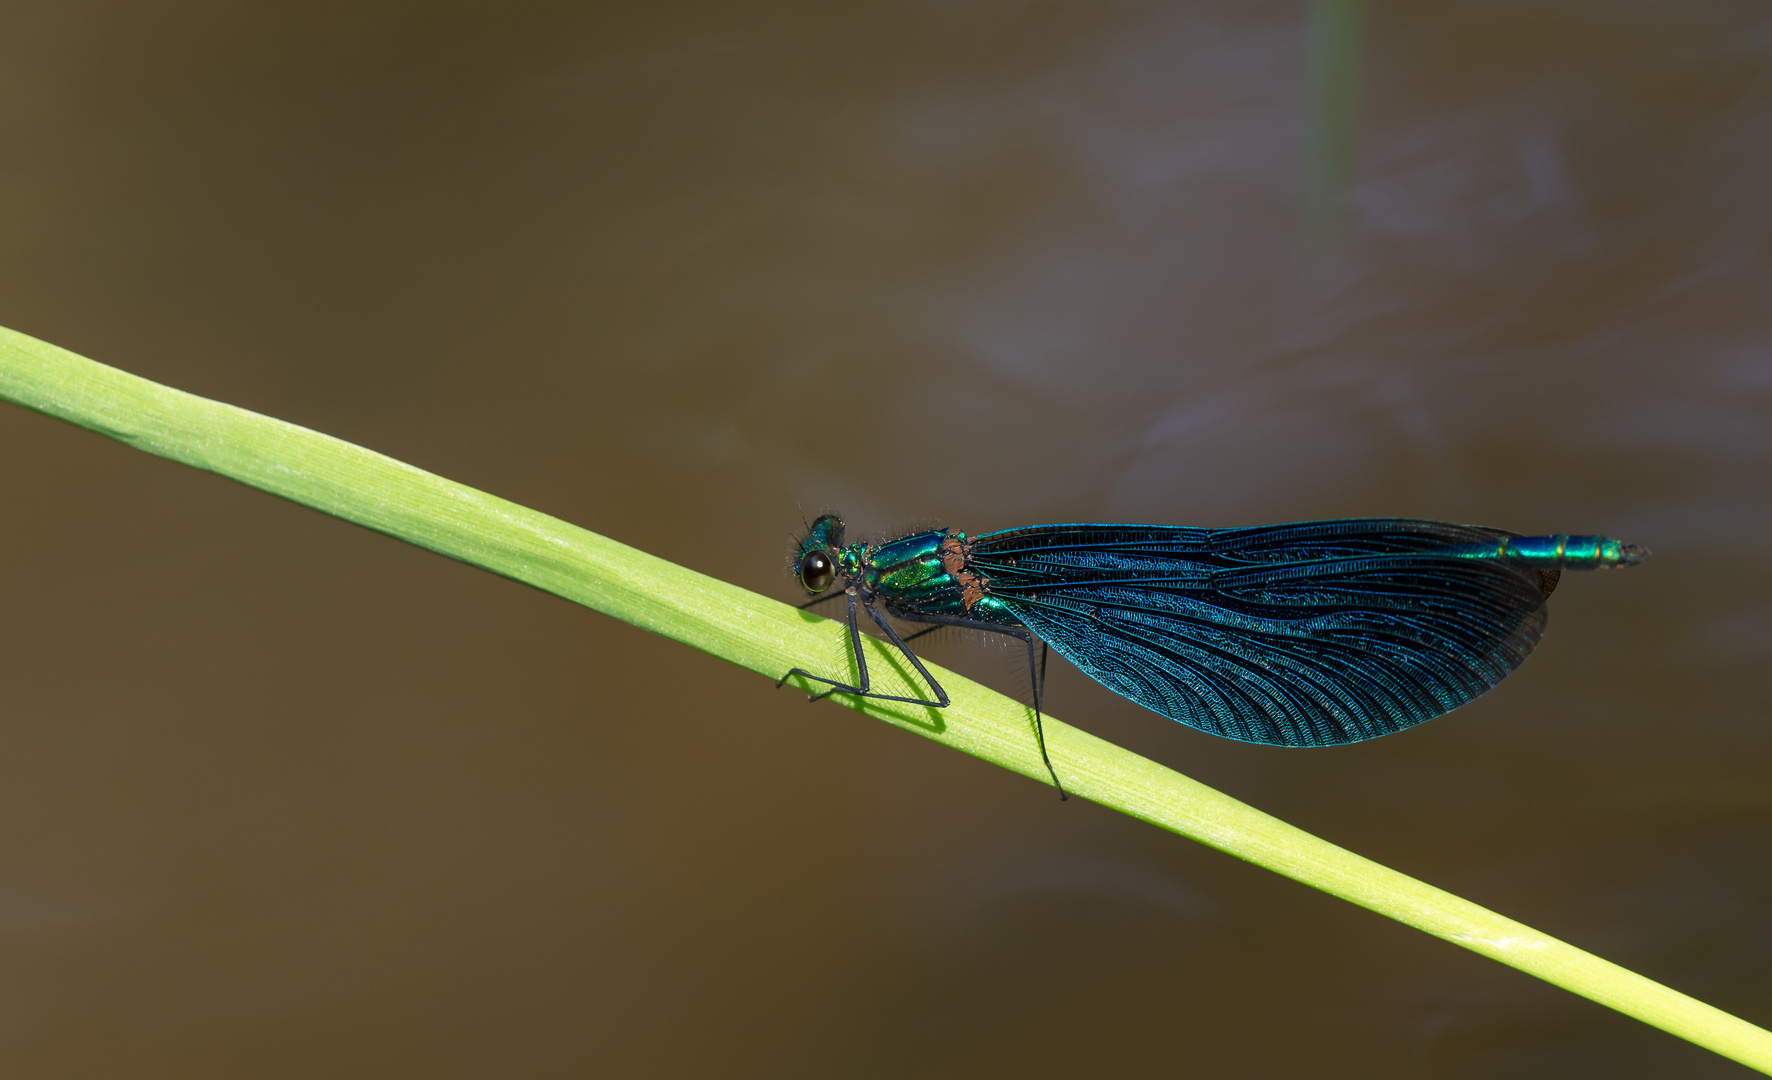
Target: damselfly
{"type": "Point", "coordinates": [1310, 634]}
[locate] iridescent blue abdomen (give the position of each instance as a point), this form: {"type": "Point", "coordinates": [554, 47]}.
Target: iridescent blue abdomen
{"type": "Point", "coordinates": [1556, 552]}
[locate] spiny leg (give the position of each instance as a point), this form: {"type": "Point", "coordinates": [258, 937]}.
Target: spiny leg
{"type": "Point", "coordinates": [1036, 674]}
{"type": "Point", "coordinates": [861, 667]}
{"type": "Point", "coordinates": [1039, 679]}
{"type": "Point", "coordinates": [861, 662]}
{"type": "Point", "coordinates": [892, 635]}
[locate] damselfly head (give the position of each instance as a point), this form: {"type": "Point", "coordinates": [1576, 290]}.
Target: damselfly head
{"type": "Point", "coordinates": [817, 562]}
{"type": "Point", "coordinates": [825, 532]}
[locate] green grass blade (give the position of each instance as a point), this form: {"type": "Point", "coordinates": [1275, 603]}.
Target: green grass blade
{"type": "Point", "coordinates": [768, 637]}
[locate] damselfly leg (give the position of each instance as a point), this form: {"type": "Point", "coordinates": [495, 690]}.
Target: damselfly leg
{"type": "Point", "coordinates": [1036, 673]}
{"type": "Point", "coordinates": [861, 665]}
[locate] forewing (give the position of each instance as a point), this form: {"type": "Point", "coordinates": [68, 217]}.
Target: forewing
{"type": "Point", "coordinates": [1365, 632]}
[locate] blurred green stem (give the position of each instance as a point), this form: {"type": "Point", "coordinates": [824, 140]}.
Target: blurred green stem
{"type": "Point", "coordinates": [1332, 118]}
{"type": "Point", "coordinates": [768, 637]}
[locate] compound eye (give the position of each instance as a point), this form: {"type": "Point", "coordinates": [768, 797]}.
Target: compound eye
{"type": "Point", "coordinates": [817, 571]}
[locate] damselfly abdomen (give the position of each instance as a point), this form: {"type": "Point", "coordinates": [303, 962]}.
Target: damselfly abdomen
{"type": "Point", "coordinates": [1310, 634]}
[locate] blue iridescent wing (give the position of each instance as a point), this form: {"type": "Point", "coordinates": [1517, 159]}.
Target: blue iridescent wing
{"type": "Point", "coordinates": [1309, 634]}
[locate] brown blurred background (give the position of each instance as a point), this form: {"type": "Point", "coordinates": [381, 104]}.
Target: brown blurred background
{"type": "Point", "coordinates": [280, 797]}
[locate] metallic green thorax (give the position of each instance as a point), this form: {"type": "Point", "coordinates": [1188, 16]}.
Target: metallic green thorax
{"type": "Point", "coordinates": [926, 573]}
